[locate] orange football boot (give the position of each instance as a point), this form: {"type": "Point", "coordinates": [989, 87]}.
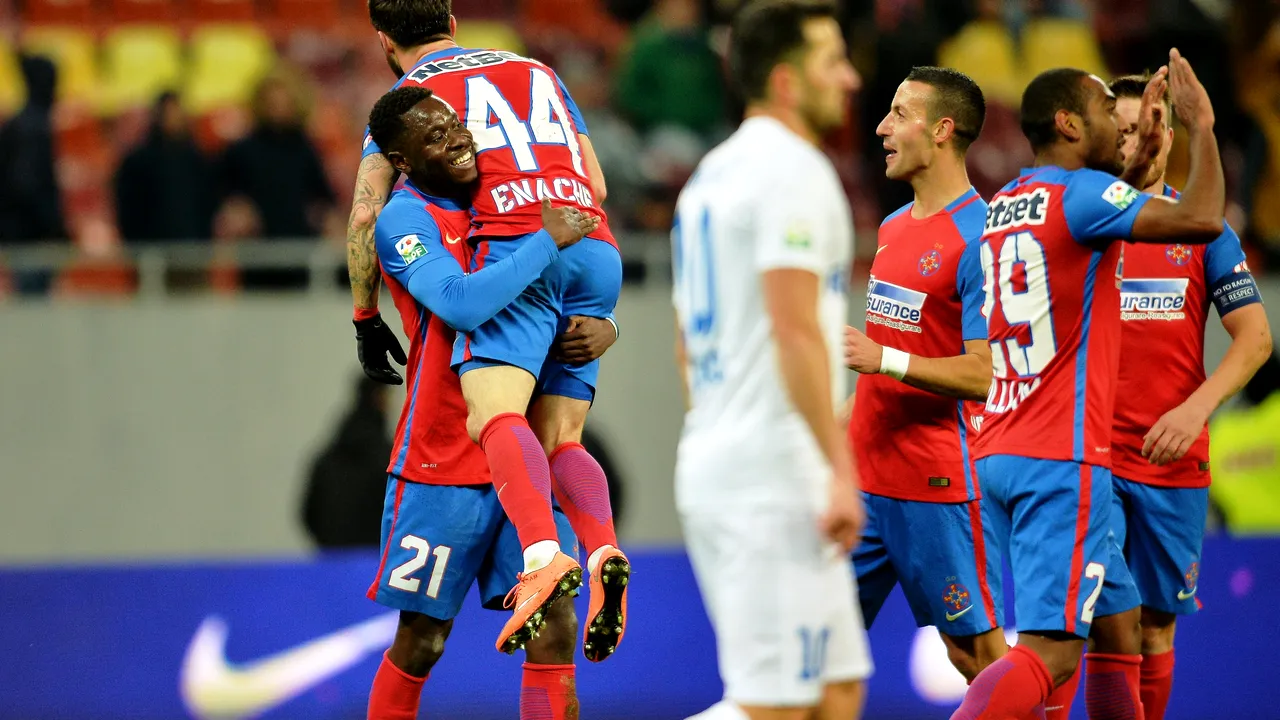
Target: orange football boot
{"type": "Point", "coordinates": [531, 597]}
{"type": "Point", "coordinates": [607, 613]}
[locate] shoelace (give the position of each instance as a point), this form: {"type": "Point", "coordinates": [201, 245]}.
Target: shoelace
{"type": "Point", "coordinates": [513, 594]}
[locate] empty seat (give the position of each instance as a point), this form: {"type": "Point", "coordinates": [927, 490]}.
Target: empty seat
{"type": "Point", "coordinates": [1049, 43]}
{"type": "Point", "coordinates": [488, 34]}
{"type": "Point", "coordinates": [226, 62]}
{"type": "Point", "coordinates": [143, 11]}
{"type": "Point", "coordinates": [58, 12]}
{"type": "Point", "coordinates": [222, 11]}
{"type": "Point", "coordinates": [139, 62]}
{"type": "Point", "coordinates": [309, 14]}
{"type": "Point", "coordinates": [13, 89]}
{"type": "Point", "coordinates": [985, 51]}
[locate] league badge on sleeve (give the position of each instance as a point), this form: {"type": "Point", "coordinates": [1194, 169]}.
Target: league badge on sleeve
{"type": "Point", "coordinates": [798, 236]}
{"type": "Point", "coordinates": [410, 248]}
{"type": "Point", "coordinates": [1120, 194]}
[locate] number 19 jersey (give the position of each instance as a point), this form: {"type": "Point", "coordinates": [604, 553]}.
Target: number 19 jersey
{"type": "Point", "coordinates": [1051, 276]}
{"type": "Point", "coordinates": [526, 129]}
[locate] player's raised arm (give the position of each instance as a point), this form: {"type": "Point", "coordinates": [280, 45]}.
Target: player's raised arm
{"type": "Point", "coordinates": [374, 340]}
{"type": "Point", "coordinates": [1197, 216]}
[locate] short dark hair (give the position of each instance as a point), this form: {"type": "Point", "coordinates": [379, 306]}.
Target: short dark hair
{"type": "Point", "coordinates": [1133, 86]}
{"type": "Point", "coordinates": [386, 120]}
{"type": "Point", "coordinates": [410, 23]}
{"type": "Point", "coordinates": [955, 96]}
{"type": "Point", "coordinates": [1049, 92]}
{"type": "Point", "coordinates": [763, 34]}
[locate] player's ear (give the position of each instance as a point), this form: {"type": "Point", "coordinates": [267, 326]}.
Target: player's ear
{"type": "Point", "coordinates": [453, 26]}
{"type": "Point", "coordinates": [386, 44]}
{"type": "Point", "coordinates": [782, 83]}
{"type": "Point", "coordinates": [1069, 125]}
{"type": "Point", "coordinates": [943, 130]}
{"type": "Point", "coordinates": [398, 161]}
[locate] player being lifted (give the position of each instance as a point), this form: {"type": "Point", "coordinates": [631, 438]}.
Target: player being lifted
{"type": "Point", "coordinates": [1050, 265]}
{"type": "Point", "coordinates": [1160, 439]}
{"type": "Point", "coordinates": [443, 527]}
{"type": "Point", "coordinates": [531, 144]}
{"type": "Point", "coordinates": [924, 354]}
{"type": "Point", "coordinates": [765, 484]}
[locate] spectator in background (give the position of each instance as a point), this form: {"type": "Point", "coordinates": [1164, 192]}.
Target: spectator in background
{"type": "Point", "coordinates": [671, 76]}
{"type": "Point", "coordinates": [30, 202]}
{"type": "Point", "coordinates": [277, 168]}
{"type": "Point", "coordinates": [348, 480]}
{"type": "Point", "coordinates": [165, 187]}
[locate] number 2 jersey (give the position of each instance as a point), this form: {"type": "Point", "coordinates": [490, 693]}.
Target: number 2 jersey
{"type": "Point", "coordinates": [526, 129]}
{"type": "Point", "coordinates": [1051, 275]}
{"type": "Point", "coordinates": [924, 298]}
{"type": "Point", "coordinates": [1164, 305]}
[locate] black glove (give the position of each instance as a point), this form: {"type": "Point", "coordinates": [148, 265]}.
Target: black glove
{"type": "Point", "coordinates": [373, 341]}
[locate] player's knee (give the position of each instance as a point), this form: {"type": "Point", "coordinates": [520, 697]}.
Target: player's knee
{"type": "Point", "coordinates": [419, 643]}
{"type": "Point", "coordinates": [475, 426]}
{"type": "Point", "coordinates": [965, 662]}
{"type": "Point", "coordinates": [1157, 631]}
{"type": "Point", "coordinates": [558, 641]}
{"type": "Point", "coordinates": [1118, 634]}
{"type": "Point", "coordinates": [1062, 667]}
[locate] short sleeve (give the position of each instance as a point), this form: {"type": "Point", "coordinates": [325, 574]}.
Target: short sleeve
{"type": "Point", "coordinates": [574, 113]}
{"type": "Point", "coordinates": [370, 147]}
{"type": "Point", "coordinates": [1223, 257]}
{"type": "Point", "coordinates": [969, 284]}
{"type": "Point", "coordinates": [1100, 206]}
{"type": "Point", "coordinates": [406, 236]}
{"type": "Point", "coordinates": [794, 223]}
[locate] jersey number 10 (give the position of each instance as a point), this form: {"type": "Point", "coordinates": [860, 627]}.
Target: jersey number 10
{"type": "Point", "coordinates": [548, 122]}
{"type": "Point", "coordinates": [1026, 306]}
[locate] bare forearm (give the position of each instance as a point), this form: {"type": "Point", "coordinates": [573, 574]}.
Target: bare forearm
{"type": "Point", "coordinates": [802, 358]}
{"type": "Point", "coordinates": [373, 185]}
{"type": "Point", "coordinates": [1249, 349]}
{"type": "Point", "coordinates": [1205, 195]}
{"type": "Point", "coordinates": [966, 377]}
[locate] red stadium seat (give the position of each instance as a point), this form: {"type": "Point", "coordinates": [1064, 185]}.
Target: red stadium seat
{"type": "Point", "coordinates": [143, 11]}
{"type": "Point", "coordinates": [58, 12]}
{"type": "Point", "coordinates": [308, 14]}
{"type": "Point", "coordinates": [219, 11]}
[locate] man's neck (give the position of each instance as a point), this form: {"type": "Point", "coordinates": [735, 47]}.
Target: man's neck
{"type": "Point", "coordinates": [790, 118]}
{"type": "Point", "coordinates": [939, 184]}
{"type": "Point", "coordinates": [1155, 188]}
{"type": "Point", "coordinates": [1059, 154]}
{"type": "Point", "coordinates": [410, 57]}
{"type": "Point", "coordinates": [462, 196]}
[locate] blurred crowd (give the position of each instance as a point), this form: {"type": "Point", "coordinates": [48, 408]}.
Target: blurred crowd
{"type": "Point", "coordinates": [128, 123]}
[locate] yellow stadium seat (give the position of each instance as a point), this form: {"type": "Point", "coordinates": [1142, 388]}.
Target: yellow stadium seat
{"type": "Point", "coordinates": [13, 89]}
{"type": "Point", "coordinates": [985, 51]}
{"type": "Point", "coordinates": [226, 63]}
{"type": "Point", "coordinates": [488, 34]}
{"type": "Point", "coordinates": [74, 54]}
{"type": "Point", "coordinates": [139, 62]}
{"type": "Point", "coordinates": [1049, 43]}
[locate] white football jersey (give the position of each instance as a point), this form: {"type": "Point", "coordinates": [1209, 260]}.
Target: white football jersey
{"type": "Point", "coordinates": [764, 199]}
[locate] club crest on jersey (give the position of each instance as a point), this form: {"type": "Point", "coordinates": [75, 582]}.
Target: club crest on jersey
{"type": "Point", "coordinates": [894, 306]}
{"type": "Point", "coordinates": [1153, 298]}
{"type": "Point", "coordinates": [1192, 576]}
{"type": "Point", "coordinates": [930, 262]}
{"type": "Point", "coordinates": [1178, 254]}
{"type": "Point", "coordinates": [1011, 211]}
{"type": "Point", "coordinates": [957, 596]}
{"type": "Point", "coordinates": [410, 248]}
{"type": "Point", "coordinates": [465, 61]}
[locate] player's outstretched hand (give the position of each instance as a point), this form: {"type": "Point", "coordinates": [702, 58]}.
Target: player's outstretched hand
{"type": "Point", "coordinates": [373, 341]}
{"type": "Point", "coordinates": [1190, 99]}
{"type": "Point", "coordinates": [1150, 138]}
{"type": "Point", "coordinates": [845, 517]}
{"type": "Point", "coordinates": [1173, 434]}
{"type": "Point", "coordinates": [567, 225]}
{"type": "Point", "coordinates": [861, 353]}
{"type": "Point", "coordinates": [584, 340]}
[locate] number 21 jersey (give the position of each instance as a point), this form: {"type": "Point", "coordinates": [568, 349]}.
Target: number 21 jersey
{"type": "Point", "coordinates": [526, 129]}
{"type": "Point", "coordinates": [1051, 270]}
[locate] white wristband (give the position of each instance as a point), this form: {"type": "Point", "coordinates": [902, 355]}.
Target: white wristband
{"type": "Point", "coordinates": [616, 333]}
{"type": "Point", "coordinates": [894, 362]}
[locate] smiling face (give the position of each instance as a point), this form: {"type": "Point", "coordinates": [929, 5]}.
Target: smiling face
{"type": "Point", "coordinates": [908, 140]}
{"type": "Point", "coordinates": [436, 150]}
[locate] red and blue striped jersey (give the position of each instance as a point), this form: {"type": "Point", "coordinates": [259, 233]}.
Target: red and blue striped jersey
{"type": "Point", "coordinates": [526, 129]}
{"type": "Point", "coordinates": [925, 298]}
{"type": "Point", "coordinates": [1051, 276]}
{"type": "Point", "coordinates": [1164, 304]}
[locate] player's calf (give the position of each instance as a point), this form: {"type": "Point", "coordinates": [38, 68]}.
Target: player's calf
{"type": "Point", "coordinates": [842, 701]}
{"type": "Point", "coordinates": [1156, 673]}
{"type": "Point", "coordinates": [1113, 667]}
{"type": "Point", "coordinates": [397, 686]}
{"type": "Point", "coordinates": [548, 687]}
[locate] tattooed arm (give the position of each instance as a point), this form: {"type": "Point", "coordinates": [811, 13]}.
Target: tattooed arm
{"type": "Point", "coordinates": [373, 185]}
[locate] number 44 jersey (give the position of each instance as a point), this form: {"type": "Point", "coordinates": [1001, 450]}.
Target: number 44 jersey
{"type": "Point", "coordinates": [1051, 270]}
{"type": "Point", "coordinates": [526, 129]}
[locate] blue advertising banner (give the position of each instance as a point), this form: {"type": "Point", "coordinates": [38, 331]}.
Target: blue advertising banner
{"type": "Point", "coordinates": [298, 639]}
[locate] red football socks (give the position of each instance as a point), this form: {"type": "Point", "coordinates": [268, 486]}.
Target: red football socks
{"type": "Point", "coordinates": [1111, 686]}
{"type": "Point", "coordinates": [521, 475]}
{"type": "Point", "coordinates": [1015, 686]}
{"type": "Point", "coordinates": [548, 692]}
{"type": "Point", "coordinates": [1156, 684]}
{"type": "Point", "coordinates": [395, 694]}
{"type": "Point", "coordinates": [1058, 706]}
{"type": "Point", "coordinates": [583, 493]}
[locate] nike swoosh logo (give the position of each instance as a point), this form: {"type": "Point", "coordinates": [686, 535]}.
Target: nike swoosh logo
{"type": "Point", "coordinates": [1184, 595]}
{"type": "Point", "coordinates": [953, 618]}
{"type": "Point", "coordinates": [451, 240]}
{"type": "Point", "coordinates": [213, 688]}
{"type": "Point", "coordinates": [879, 249]}
{"type": "Point", "coordinates": [526, 602]}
